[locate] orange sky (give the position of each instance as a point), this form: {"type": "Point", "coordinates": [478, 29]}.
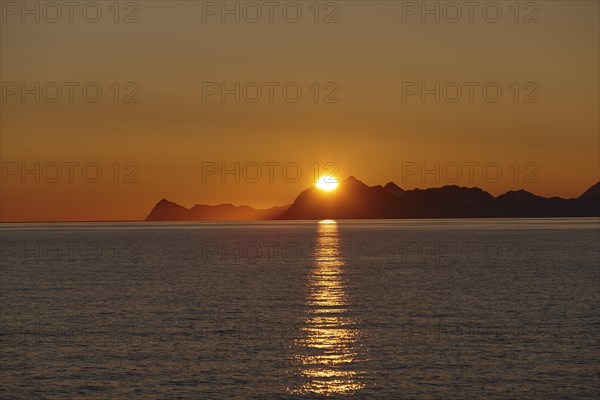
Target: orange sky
{"type": "Point", "coordinates": [366, 61]}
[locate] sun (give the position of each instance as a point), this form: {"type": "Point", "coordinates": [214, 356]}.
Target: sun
{"type": "Point", "coordinates": [327, 183]}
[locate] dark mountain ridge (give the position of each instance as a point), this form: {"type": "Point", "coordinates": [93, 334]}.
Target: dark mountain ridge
{"type": "Point", "coordinates": [355, 200]}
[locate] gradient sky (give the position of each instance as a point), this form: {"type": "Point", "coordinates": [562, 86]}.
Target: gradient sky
{"type": "Point", "coordinates": [371, 133]}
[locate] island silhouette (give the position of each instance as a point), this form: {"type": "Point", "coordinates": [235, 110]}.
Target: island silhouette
{"type": "Point", "coordinates": [354, 199]}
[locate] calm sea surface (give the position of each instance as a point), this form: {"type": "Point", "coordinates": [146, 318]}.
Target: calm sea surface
{"type": "Point", "coordinates": [408, 309]}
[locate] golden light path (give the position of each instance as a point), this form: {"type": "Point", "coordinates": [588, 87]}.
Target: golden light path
{"type": "Point", "coordinates": [328, 340]}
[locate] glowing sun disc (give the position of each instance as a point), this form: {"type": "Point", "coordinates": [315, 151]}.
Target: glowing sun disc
{"type": "Point", "coordinates": [327, 183]}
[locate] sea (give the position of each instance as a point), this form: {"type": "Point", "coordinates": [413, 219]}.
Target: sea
{"type": "Point", "coordinates": [377, 309]}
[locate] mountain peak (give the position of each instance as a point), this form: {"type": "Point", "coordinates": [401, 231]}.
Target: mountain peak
{"type": "Point", "coordinates": [352, 182]}
{"type": "Point", "coordinates": [518, 195]}
{"type": "Point", "coordinates": [351, 179]}
{"type": "Point", "coordinates": [392, 187]}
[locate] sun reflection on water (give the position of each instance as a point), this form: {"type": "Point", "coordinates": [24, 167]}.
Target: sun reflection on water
{"type": "Point", "coordinates": [328, 344]}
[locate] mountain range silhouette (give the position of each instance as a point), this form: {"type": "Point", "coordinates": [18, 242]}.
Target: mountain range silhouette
{"type": "Point", "coordinates": [355, 200]}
